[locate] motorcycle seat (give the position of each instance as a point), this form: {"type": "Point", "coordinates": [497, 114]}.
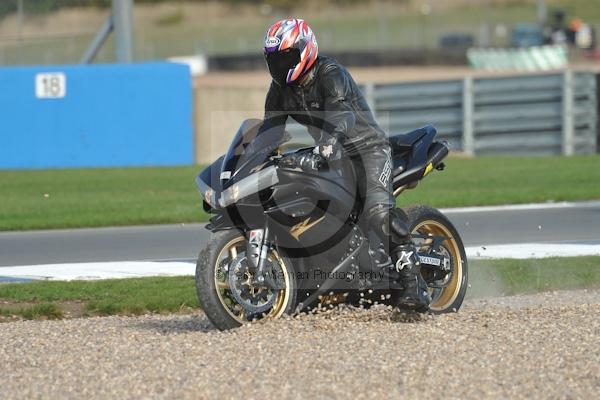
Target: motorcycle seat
{"type": "Point", "coordinates": [404, 142]}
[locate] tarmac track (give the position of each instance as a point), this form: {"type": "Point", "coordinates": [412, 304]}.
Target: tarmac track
{"type": "Point", "coordinates": [566, 223]}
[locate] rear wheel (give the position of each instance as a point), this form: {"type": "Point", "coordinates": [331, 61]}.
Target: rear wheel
{"type": "Point", "coordinates": [225, 287]}
{"type": "Point", "coordinates": [434, 234]}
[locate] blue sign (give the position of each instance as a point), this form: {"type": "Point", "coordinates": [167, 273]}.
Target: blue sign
{"type": "Point", "coordinates": [95, 116]}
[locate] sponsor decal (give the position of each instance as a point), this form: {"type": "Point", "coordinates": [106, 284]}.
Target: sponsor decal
{"type": "Point", "coordinates": [384, 178]}
{"type": "Point", "coordinates": [256, 236]}
{"type": "Point", "coordinates": [428, 169]}
{"type": "Point", "coordinates": [404, 260]}
{"type": "Point", "coordinates": [272, 41]}
{"type": "Point", "coordinates": [314, 104]}
{"type": "Point", "coordinates": [225, 174]}
{"type": "Point", "coordinates": [303, 226]}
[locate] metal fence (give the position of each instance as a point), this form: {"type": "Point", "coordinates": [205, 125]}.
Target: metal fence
{"type": "Point", "coordinates": [542, 114]}
{"type": "Point", "coordinates": [531, 114]}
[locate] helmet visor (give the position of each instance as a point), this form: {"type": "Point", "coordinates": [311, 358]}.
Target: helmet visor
{"type": "Point", "coordinates": [280, 63]}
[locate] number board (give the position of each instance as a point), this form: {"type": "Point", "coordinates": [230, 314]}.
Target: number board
{"type": "Point", "coordinates": [51, 85]}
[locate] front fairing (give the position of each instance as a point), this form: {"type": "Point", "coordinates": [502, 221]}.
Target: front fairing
{"type": "Point", "coordinates": [223, 182]}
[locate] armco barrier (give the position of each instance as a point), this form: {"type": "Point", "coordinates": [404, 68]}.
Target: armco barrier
{"type": "Point", "coordinates": [537, 114]}
{"type": "Point", "coordinates": [95, 116]}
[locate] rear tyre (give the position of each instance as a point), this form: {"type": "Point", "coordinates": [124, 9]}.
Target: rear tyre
{"type": "Point", "coordinates": [427, 221]}
{"type": "Point", "coordinates": [215, 293]}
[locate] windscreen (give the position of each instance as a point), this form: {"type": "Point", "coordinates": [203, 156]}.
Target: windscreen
{"type": "Point", "coordinates": [247, 148]}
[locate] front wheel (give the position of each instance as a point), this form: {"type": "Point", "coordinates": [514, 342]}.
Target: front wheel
{"type": "Point", "coordinates": [434, 234]}
{"type": "Point", "coordinates": [226, 289]}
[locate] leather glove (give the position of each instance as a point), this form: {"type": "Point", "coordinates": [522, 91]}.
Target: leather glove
{"type": "Point", "coordinates": [311, 162]}
{"type": "Point", "coordinates": [328, 149]}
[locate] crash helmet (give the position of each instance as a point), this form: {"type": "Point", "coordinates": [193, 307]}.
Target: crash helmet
{"type": "Point", "coordinates": [290, 50]}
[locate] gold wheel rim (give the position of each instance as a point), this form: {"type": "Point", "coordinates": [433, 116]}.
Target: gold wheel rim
{"type": "Point", "coordinates": [450, 292]}
{"type": "Point", "coordinates": [230, 251]}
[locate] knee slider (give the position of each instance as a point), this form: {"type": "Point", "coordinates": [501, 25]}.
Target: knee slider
{"type": "Point", "coordinates": [391, 222]}
{"type": "Point", "coordinates": [378, 220]}
{"type": "Point", "coordinates": [398, 226]}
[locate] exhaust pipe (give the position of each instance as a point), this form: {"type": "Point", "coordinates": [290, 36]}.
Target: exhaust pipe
{"type": "Point", "coordinates": [410, 179]}
{"type": "Point", "coordinates": [437, 152]}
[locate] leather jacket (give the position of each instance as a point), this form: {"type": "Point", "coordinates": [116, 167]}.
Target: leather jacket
{"type": "Point", "coordinates": [329, 104]}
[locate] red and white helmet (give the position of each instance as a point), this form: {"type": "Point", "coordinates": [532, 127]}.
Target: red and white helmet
{"type": "Point", "coordinates": [290, 50]}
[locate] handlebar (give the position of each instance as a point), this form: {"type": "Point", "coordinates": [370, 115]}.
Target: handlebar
{"type": "Point", "coordinates": [307, 161]}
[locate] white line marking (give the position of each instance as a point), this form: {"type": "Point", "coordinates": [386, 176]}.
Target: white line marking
{"type": "Point", "coordinates": [522, 207]}
{"type": "Point", "coordinates": [135, 269]}
{"type": "Point", "coordinates": [532, 250]}
{"type": "Point", "coordinates": [98, 270]}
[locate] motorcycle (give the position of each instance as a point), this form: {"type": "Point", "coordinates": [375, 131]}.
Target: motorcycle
{"type": "Point", "coordinates": [287, 234]}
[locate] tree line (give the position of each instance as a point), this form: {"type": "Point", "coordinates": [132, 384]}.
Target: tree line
{"type": "Point", "coordinates": [44, 6]}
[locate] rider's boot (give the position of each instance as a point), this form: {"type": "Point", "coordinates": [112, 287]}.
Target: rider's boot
{"type": "Point", "coordinates": [381, 258]}
{"type": "Point", "coordinates": [415, 295]}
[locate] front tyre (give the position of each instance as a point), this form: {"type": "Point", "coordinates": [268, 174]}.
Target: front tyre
{"type": "Point", "coordinates": [229, 302]}
{"type": "Point", "coordinates": [427, 223]}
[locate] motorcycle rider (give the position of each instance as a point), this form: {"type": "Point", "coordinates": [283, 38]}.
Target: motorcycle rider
{"type": "Point", "coordinates": [319, 93]}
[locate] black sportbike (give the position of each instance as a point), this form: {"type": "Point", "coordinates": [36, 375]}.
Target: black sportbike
{"type": "Point", "coordinates": [287, 234]}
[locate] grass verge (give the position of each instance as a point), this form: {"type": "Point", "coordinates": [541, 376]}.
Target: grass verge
{"type": "Point", "coordinates": [45, 300]}
{"type": "Point", "coordinates": [36, 311]}
{"type": "Point", "coordinates": [105, 297]}
{"type": "Point", "coordinates": [510, 277]}
{"type": "Point", "coordinates": [132, 196]}
{"type": "Point", "coordinates": [509, 180]}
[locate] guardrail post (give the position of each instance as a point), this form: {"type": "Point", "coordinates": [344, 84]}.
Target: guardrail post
{"type": "Point", "coordinates": [568, 125]}
{"type": "Point", "coordinates": [597, 113]}
{"type": "Point", "coordinates": [468, 138]}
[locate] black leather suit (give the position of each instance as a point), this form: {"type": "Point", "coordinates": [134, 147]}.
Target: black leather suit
{"type": "Point", "coordinates": [331, 105]}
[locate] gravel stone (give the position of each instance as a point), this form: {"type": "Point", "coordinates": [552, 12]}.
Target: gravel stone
{"type": "Point", "coordinates": [540, 346]}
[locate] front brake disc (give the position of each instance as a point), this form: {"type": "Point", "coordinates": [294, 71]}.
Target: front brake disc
{"type": "Point", "coordinates": [254, 299]}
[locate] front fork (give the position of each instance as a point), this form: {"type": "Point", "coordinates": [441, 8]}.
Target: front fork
{"type": "Point", "coordinates": [257, 250]}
